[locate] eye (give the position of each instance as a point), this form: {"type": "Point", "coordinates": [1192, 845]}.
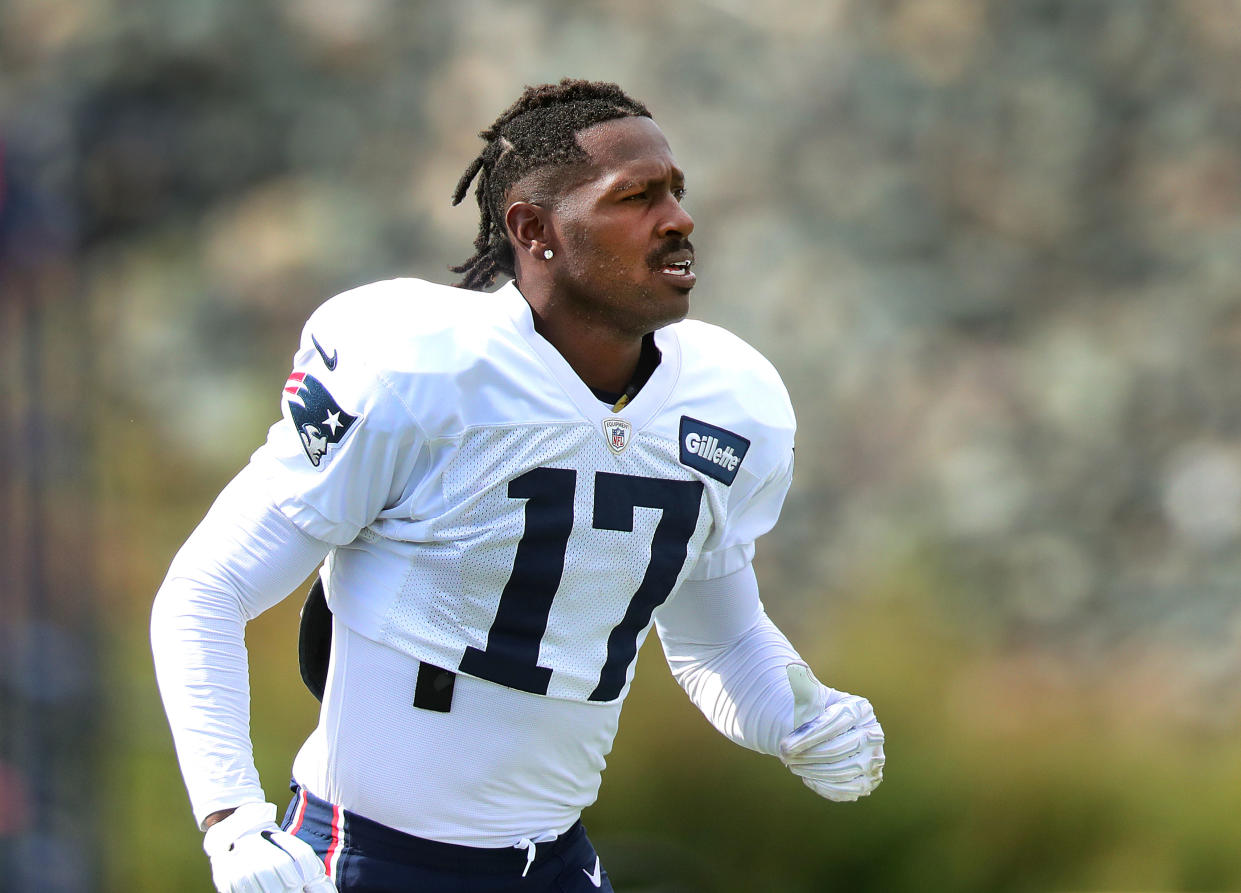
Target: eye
{"type": "Point", "coordinates": [679, 193]}
{"type": "Point", "coordinates": [636, 196]}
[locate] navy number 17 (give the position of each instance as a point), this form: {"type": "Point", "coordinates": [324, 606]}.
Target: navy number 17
{"type": "Point", "coordinates": [511, 655]}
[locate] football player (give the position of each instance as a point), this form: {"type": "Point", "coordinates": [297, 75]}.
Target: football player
{"type": "Point", "coordinates": [506, 490]}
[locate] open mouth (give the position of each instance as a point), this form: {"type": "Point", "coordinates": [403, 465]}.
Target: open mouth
{"type": "Point", "coordinates": [678, 268]}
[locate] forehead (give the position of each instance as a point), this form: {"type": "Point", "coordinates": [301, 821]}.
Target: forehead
{"type": "Point", "coordinates": [633, 147]}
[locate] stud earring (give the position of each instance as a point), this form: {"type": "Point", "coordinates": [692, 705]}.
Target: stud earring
{"type": "Point", "coordinates": [548, 254]}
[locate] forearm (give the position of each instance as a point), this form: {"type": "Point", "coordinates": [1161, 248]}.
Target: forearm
{"type": "Point", "coordinates": [197, 640]}
{"type": "Point", "coordinates": [243, 558]}
{"type": "Point", "coordinates": [730, 659]}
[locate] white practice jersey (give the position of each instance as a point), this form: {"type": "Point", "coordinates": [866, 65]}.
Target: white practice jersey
{"type": "Point", "coordinates": [493, 517]}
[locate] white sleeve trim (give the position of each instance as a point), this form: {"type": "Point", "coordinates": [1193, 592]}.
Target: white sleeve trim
{"type": "Point", "coordinates": [243, 558]}
{"type": "Point", "coordinates": [730, 658]}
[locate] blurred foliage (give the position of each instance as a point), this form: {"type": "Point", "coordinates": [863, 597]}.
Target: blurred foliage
{"type": "Point", "coordinates": [994, 248]}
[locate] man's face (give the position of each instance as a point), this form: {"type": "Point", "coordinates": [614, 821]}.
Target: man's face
{"type": "Point", "coordinates": [314, 442]}
{"type": "Point", "coordinates": [621, 232]}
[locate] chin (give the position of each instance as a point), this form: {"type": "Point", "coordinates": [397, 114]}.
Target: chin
{"type": "Point", "coordinates": [676, 311]}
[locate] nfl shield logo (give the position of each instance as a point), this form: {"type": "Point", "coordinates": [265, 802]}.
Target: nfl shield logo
{"type": "Point", "coordinates": [617, 431]}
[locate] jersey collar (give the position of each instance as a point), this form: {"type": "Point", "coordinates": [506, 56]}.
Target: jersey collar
{"type": "Point", "coordinates": [640, 410]}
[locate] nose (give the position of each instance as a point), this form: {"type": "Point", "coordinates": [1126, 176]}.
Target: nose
{"type": "Point", "coordinates": [678, 221]}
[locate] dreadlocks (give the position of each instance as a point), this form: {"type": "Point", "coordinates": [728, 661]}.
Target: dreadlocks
{"type": "Point", "coordinates": [538, 130]}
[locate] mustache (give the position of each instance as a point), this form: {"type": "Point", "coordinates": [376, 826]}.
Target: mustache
{"type": "Point", "coordinates": [671, 251]}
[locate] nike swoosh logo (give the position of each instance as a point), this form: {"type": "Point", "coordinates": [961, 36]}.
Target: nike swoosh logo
{"type": "Point", "coordinates": [597, 877]}
{"type": "Point", "coordinates": [330, 362]}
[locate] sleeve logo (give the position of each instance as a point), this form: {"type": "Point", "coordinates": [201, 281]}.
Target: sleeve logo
{"type": "Point", "coordinates": [330, 362]}
{"type": "Point", "coordinates": [319, 420]}
{"type": "Point", "coordinates": [714, 451]}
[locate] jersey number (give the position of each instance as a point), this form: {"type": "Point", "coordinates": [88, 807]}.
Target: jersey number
{"type": "Point", "coordinates": [511, 656]}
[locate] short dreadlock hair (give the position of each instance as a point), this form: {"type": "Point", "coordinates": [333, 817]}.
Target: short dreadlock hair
{"type": "Point", "coordinates": [538, 130]}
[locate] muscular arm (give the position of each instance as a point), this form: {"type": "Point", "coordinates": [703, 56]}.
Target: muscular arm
{"type": "Point", "coordinates": [730, 658]}
{"type": "Point", "coordinates": [243, 558]}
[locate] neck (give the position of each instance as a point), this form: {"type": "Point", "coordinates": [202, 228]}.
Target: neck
{"type": "Point", "coordinates": [603, 354]}
{"type": "Point", "coordinates": [602, 358]}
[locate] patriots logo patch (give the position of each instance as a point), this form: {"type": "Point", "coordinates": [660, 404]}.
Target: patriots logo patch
{"type": "Point", "coordinates": [319, 420]}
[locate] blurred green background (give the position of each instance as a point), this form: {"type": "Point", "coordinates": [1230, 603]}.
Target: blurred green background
{"type": "Point", "coordinates": [993, 247]}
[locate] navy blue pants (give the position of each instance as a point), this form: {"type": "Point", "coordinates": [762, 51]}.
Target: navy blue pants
{"type": "Point", "coordinates": [363, 856]}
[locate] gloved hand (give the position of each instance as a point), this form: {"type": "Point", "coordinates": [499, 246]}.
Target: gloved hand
{"type": "Point", "coordinates": [250, 854]}
{"type": "Point", "coordinates": [836, 745]}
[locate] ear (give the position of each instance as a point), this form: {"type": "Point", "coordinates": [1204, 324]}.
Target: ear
{"type": "Point", "coordinates": [528, 228]}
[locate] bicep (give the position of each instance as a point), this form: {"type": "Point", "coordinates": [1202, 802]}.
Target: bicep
{"type": "Point", "coordinates": [247, 549]}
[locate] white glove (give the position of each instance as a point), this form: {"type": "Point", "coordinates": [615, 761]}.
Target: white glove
{"type": "Point", "coordinates": [250, 854]}
{"type": "Point", "coordinates": [836, 745]}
